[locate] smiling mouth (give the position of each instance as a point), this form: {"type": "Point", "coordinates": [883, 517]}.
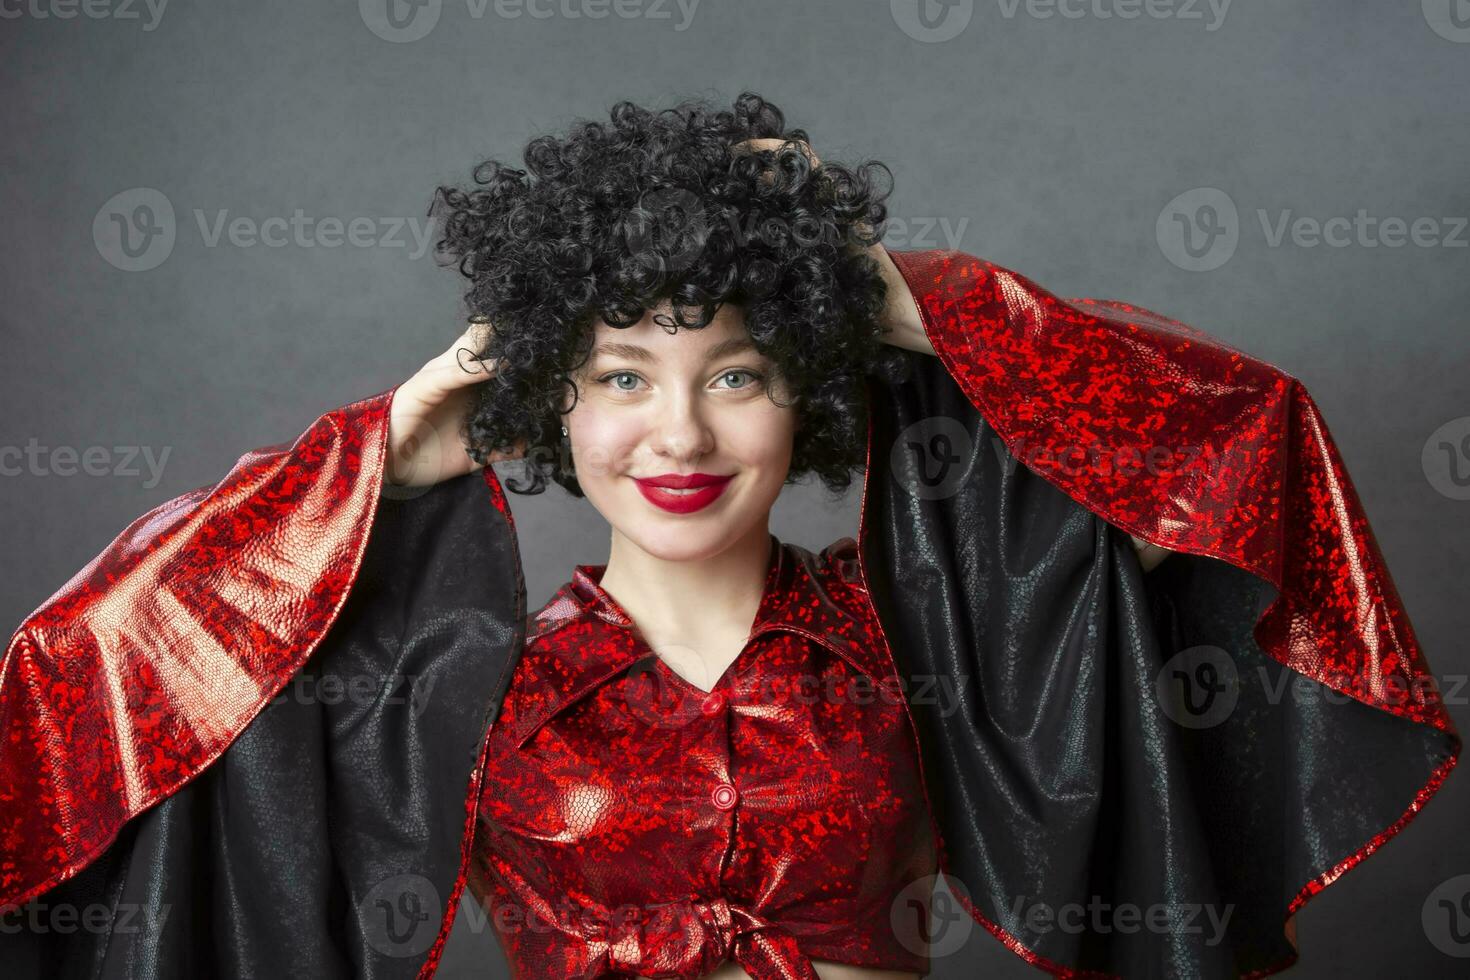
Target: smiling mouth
{"type": "Point", "coordinates": [686, 499]}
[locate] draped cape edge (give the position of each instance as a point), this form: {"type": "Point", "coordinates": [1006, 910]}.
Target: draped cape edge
{"type": "Point", "coordinates": [245, 738]}
{"type": "Point", "coordinates": [1119, 738]}
{"type": "Point", "coordinates": [146, 739]}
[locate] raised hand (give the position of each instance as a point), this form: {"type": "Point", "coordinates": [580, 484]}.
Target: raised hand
{"type": "Point", "coordinates": [424, 441]}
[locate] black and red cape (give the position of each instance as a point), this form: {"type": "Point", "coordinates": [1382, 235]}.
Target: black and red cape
{"type": "Point", "coordinates": [1230, 731]}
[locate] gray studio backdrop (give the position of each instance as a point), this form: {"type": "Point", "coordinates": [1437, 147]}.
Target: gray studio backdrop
{"type": "Point", "coordinates": [1287, 176]}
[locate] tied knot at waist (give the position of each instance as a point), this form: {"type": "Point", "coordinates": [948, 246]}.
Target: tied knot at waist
{"type": "Point", "coordinates": [687, 939]}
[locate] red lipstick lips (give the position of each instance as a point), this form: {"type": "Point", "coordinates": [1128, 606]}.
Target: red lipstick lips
{"type": "Point", "coordinates": [682, 493]}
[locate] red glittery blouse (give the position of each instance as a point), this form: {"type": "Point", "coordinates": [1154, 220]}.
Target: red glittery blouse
{"type": "Point", "coordinates": [633, 824]}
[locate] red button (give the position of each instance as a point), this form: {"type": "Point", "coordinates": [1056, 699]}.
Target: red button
{"type": "Point", "coordinates": [724, 796]}
{"type": "Point", "coordinates": [713, 704]}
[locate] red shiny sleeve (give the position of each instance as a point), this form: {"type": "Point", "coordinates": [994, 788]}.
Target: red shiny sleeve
{"type": "Point", "coordinates": [145, 666]}
{"type": "Point", "coordinates": [1172, 435]}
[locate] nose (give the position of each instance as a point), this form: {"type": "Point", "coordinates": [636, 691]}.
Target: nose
{"type": "Point", "coordinates": [681, 432]}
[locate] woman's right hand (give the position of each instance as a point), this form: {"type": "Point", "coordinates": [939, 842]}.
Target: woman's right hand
{"type": "Point", "coordinates": [424, 442]}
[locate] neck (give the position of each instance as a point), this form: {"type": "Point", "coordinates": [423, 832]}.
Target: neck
{"type": "Point", "coordinates": [682, 598]}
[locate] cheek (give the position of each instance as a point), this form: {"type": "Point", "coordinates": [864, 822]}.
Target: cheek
{"type": "Point", "coordinates": [604, 443]}
{"type": "Point", "coordinates": [763, 439]}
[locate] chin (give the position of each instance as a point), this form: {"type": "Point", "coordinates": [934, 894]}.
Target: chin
{"type": "Point", "coordinates": [686, 537]}
{"type": "Point", "coordinates": [680, 538]}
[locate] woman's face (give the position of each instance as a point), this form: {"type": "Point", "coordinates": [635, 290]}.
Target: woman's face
{"type": "Point", "coordinates": [692, 403]}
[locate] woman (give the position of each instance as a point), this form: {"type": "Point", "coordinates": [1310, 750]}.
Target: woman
{"type": "Point", "coordinates": [684, 764]}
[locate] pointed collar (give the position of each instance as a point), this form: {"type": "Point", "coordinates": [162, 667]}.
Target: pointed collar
{"type": "Point", "coordinates": [583, 637]}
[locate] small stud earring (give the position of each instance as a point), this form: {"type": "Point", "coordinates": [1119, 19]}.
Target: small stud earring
{"type": "Point", "coordinates": [564, 431]}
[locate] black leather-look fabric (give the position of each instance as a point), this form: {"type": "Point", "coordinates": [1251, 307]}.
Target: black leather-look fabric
{"type": "Point", "coordinates": [326, 840]}
{"type": "Point", "coordinates": [1057, 779]}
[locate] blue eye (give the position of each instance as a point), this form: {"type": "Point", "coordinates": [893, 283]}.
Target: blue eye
{"type": "Point", "coordinates": [755, 378]}
{"type": "Point", "coordinates": [618, 374]}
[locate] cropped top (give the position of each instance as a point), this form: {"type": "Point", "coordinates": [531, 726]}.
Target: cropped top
{"type": "Point", "coordinates": [632, 824]}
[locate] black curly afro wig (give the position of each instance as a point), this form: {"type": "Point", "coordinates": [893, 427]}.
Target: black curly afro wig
{"type": "Point", "coordinates": [662, 207]}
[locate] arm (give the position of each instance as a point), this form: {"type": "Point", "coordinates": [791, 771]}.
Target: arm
{"type": "Point", "coordinates": [906, 330]}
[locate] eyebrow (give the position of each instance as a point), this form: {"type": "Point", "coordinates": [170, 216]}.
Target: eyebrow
{"type": "Point", "coordinates": [634, 352]}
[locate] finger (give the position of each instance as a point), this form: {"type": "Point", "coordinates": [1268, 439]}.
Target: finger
{"type": "Point", "coordinates": [475, 338]}
{"type": "Point", "coordinates": [461, 364]}
{"type": "Point", "coordinates": [772, 143]}
{"type": "Point", "coordinates": [443, 376]}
